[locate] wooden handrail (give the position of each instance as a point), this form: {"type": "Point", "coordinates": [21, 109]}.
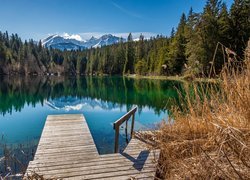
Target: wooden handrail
{"type": "Point", "coordinates": [117, 124]}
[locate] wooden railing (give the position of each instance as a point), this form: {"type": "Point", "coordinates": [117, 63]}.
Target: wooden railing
{"type": "Point", "coordinates": [117, 124]}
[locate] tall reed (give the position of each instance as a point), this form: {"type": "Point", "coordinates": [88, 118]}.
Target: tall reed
{"type": "Point", "coordinates": [210, 136]}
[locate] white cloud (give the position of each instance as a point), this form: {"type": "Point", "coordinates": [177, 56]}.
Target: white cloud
{"type": "Point", "coordinates": [122, 9]}
{"type": "Point", "coordinates": [73, 36]}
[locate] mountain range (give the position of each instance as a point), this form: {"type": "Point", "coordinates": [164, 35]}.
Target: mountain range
{"type": "Point", "coordinates": [67, 42]}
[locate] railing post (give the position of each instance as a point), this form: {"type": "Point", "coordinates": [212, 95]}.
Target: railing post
{"type": "Point", "coordinates": [116, 127]}
{"type": "Point", "coordinates": [116, 138]}
{"type": "Point", "coordinates": [132, 124]}
{"type": "Point", "coordinates": [126, 131]}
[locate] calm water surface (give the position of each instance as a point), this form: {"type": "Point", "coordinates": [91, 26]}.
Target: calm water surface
{"type": "Point", "coordinates": [25, 103]}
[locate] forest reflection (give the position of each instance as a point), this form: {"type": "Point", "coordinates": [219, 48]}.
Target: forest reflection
{"type": "Point", "coordinates": [158, 95]}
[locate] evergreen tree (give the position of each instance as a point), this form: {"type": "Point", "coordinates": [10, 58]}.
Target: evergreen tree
{"type": "Point", "coordinates": [239, 25]}
{"type": "Point", "coordinates": [201, 46]}
{"type": "Point", "coordinates": [130, 56]}
{"type": "Point", "coordinates": [176, 55]}
{"type": "Point", "coordinates": [120, 58]}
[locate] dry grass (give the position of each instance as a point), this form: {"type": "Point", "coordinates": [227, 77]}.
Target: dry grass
{"type": "Point", "coordinates": [33, 176]}
{"type": "Point", "coordinates": [211, 140]}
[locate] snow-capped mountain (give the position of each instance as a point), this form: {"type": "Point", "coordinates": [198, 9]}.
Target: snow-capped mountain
{"type": "Point", "coordinates": [75, 42]}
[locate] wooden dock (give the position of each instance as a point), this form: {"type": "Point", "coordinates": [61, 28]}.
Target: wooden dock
{"type": "Point", "coordinates": [66, 150]}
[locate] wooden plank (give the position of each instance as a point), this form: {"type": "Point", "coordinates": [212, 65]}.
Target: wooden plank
{"type": "Point", "coordinates": [82, 157]}
{"type": "Point", "coordinates": [64, 145]}
{"type": "Point", "coordinates": [50, 170]}
{"type": "Point", "coordinates": [96, 173]}
{"type": "Point", "coordinates": [44, 138]}
{"type": "Point", "coordinates": [57, 158]}
{"type": "Point", "coordinates": [68, 136]}
{"type": "Point", "coordinates": [144, 176]}
{"type": "Point", "coordinates": [92, 162]}
{"type": "Point", "coordinates": [48, 152]}
{"type": "Point", "coordinates": [96, 168]}
{"type": "Point", "coordinates": [104, 174]}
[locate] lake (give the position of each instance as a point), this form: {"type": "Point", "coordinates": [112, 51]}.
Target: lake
{"type": "Point", "coordinates": [25, 103]}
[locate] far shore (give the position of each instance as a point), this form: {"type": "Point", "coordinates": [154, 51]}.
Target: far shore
{"type": "Point", "coordinates": [134, 76]}
{"type": "Point", "coordinates": [174, 78]}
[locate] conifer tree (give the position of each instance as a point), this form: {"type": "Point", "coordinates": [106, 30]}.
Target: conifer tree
{"type": "Point", "coordinates": [176, 55]}
{"type": "Point", "coordinates": [239, 25]}
{"type": "Point", "coordinates": [130, 56]}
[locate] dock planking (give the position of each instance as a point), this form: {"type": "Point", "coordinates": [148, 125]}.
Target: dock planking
{"type": "Point", "coordinates": [66, 150]}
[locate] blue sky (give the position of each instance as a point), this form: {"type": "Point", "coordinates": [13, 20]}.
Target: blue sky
{"type": "Point", "coordinates": [38, 18]}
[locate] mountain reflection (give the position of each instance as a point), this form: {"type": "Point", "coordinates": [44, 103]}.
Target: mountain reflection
{"type": "Point", "coordinates": [70, 93]}
{"type": "Point", "coordinates": [74, 103]}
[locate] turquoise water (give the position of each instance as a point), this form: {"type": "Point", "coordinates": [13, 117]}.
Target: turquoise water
{"type": "Point", "coordinates": [25, 103]}
{"type": "Point", "coordinates": [26, 126]}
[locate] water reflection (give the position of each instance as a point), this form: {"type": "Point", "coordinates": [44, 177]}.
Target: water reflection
{"type": "Point", "coordinates": [15, 92]}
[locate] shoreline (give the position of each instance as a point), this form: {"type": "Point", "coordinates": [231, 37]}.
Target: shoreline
{"type": "Point", "coordinates": [133, 76]}
{"type": "Point", "coordinates": [174, 78]}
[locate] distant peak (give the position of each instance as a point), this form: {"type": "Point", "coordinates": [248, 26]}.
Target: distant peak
{"type": "Point", "coordinates": [107, 36]}
{"type": "Point", "coordinates": [50, 37]}
{"type": "Point", "coordinates": [92, 38]}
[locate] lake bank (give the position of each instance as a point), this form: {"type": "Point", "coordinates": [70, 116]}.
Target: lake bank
{"type": "Point", "coordinates": [175, 78]}
{"type": "Point", "coordinates": [134, 76]}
